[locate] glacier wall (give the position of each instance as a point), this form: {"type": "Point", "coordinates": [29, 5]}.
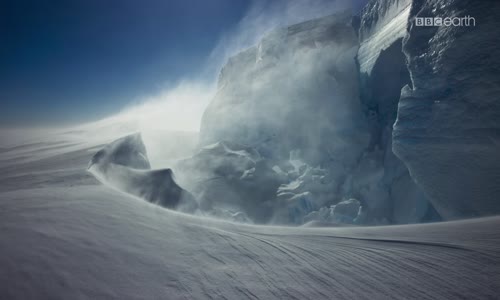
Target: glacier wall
{"type": "Point", "coordinates": [364, 120]}
{"type": "Point", "coordinates": [448, 126]}
{"type": "Point", "coordinates": [317, 102]}
{"type": "Point", "coordinates": [383, 73]}
{"type": "Point", "coordinates": [294, 90]}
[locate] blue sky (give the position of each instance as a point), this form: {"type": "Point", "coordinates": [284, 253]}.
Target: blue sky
{"type": "Point", "coordinates": [72, 61]}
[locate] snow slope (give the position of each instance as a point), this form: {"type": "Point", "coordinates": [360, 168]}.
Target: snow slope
{"type": "Point", "coordinates": [65, 236]}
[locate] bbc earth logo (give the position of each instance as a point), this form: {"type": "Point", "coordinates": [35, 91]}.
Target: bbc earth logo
{"type": "Point", "coordinates": [466, 21]}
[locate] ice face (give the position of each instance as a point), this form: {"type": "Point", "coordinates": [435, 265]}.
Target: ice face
{"type": "Point", "coordinates": [381, 179]}
{"type": "Point", "coordinates": [300, 91]}
{"type": "Point", "coordinates": [231, 180]}
{"type": "Point", "coordinates": [449, 119]}
{"type": "Point", "coordinates": [306, 100]}
{"type": "Point", "coordinates": [296, 89]}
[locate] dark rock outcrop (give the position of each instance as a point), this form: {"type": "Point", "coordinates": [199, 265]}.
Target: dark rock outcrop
{"type": "Point", "coordinates": [314, 114]}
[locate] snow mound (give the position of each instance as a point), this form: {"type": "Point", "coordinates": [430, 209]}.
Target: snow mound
{"type": "Point", "coordinates": [123, 164]}
{"type": "Point", "coordinates": [128, 151]}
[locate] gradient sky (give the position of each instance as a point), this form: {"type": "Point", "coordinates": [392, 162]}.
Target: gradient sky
{"type": "Point", "coordinates": [66, 61]}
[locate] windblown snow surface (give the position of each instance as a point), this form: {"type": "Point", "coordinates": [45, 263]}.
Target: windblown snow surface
{"type": "Point", "coordinates": [63, 235]}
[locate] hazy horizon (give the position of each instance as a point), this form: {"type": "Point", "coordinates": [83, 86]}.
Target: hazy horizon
{"type": "Point", "coordinates": [71, 63]}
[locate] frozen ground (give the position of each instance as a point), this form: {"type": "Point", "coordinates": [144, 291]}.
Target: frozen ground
{"type": "Point", "coordinates": [65, 236]}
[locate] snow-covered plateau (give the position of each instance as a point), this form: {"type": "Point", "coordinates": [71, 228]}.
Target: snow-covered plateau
{"type": "Point", "coordinates": [345, 157]}
{"type": "Point", "coordinates": [63, 235]}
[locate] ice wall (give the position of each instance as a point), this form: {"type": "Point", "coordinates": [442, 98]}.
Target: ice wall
{"type": "Point", "coordinates": [383, 73]}
{"type": "Point", "coordinates": [448, 126]}
{"type": "Point", "coordinates": [299, 100]}
{"type": "Point", "coordinates": [305, 126]}
{"type": "Point", "coordinates": [295, 92]}
{"type": "Point", "coordinates": [297, 89]}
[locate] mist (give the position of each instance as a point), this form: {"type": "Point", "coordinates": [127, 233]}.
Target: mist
{"type": "Point", "coordinates": [180, 106]}
{"type": "Point", "coordinates": [268, 173]}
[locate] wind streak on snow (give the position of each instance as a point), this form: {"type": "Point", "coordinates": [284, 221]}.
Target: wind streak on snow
{"type": "Point", "coordinates": [84, 240]}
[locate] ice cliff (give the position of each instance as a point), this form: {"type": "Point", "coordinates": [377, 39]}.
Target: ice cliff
{"type": "Point", "coordinates": [356, 120]}
{"type": "Point", "coordinates": [448, 126]}
{"type": "Point", "coordinates": [383, 73]}
{"type": "Point", "coordinates": [293, 90]}
{"type": "Point", "coordinates": [322, 95]}
{"type": "Point", "coordinates": [299, 91]}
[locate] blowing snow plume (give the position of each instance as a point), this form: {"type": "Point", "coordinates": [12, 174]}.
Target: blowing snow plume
{"type": "Point", "coordinates": [287, 138]}
{"type": "Point", "coordinates": [123, 165]}
{"type": "Point", "coordinates": [268, 85]}
{"type": "Point", "coordinates": [294, 92]}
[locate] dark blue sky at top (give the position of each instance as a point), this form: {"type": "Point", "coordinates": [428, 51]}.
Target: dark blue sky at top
{"type": "Point", "coordinates": [65, 61]}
